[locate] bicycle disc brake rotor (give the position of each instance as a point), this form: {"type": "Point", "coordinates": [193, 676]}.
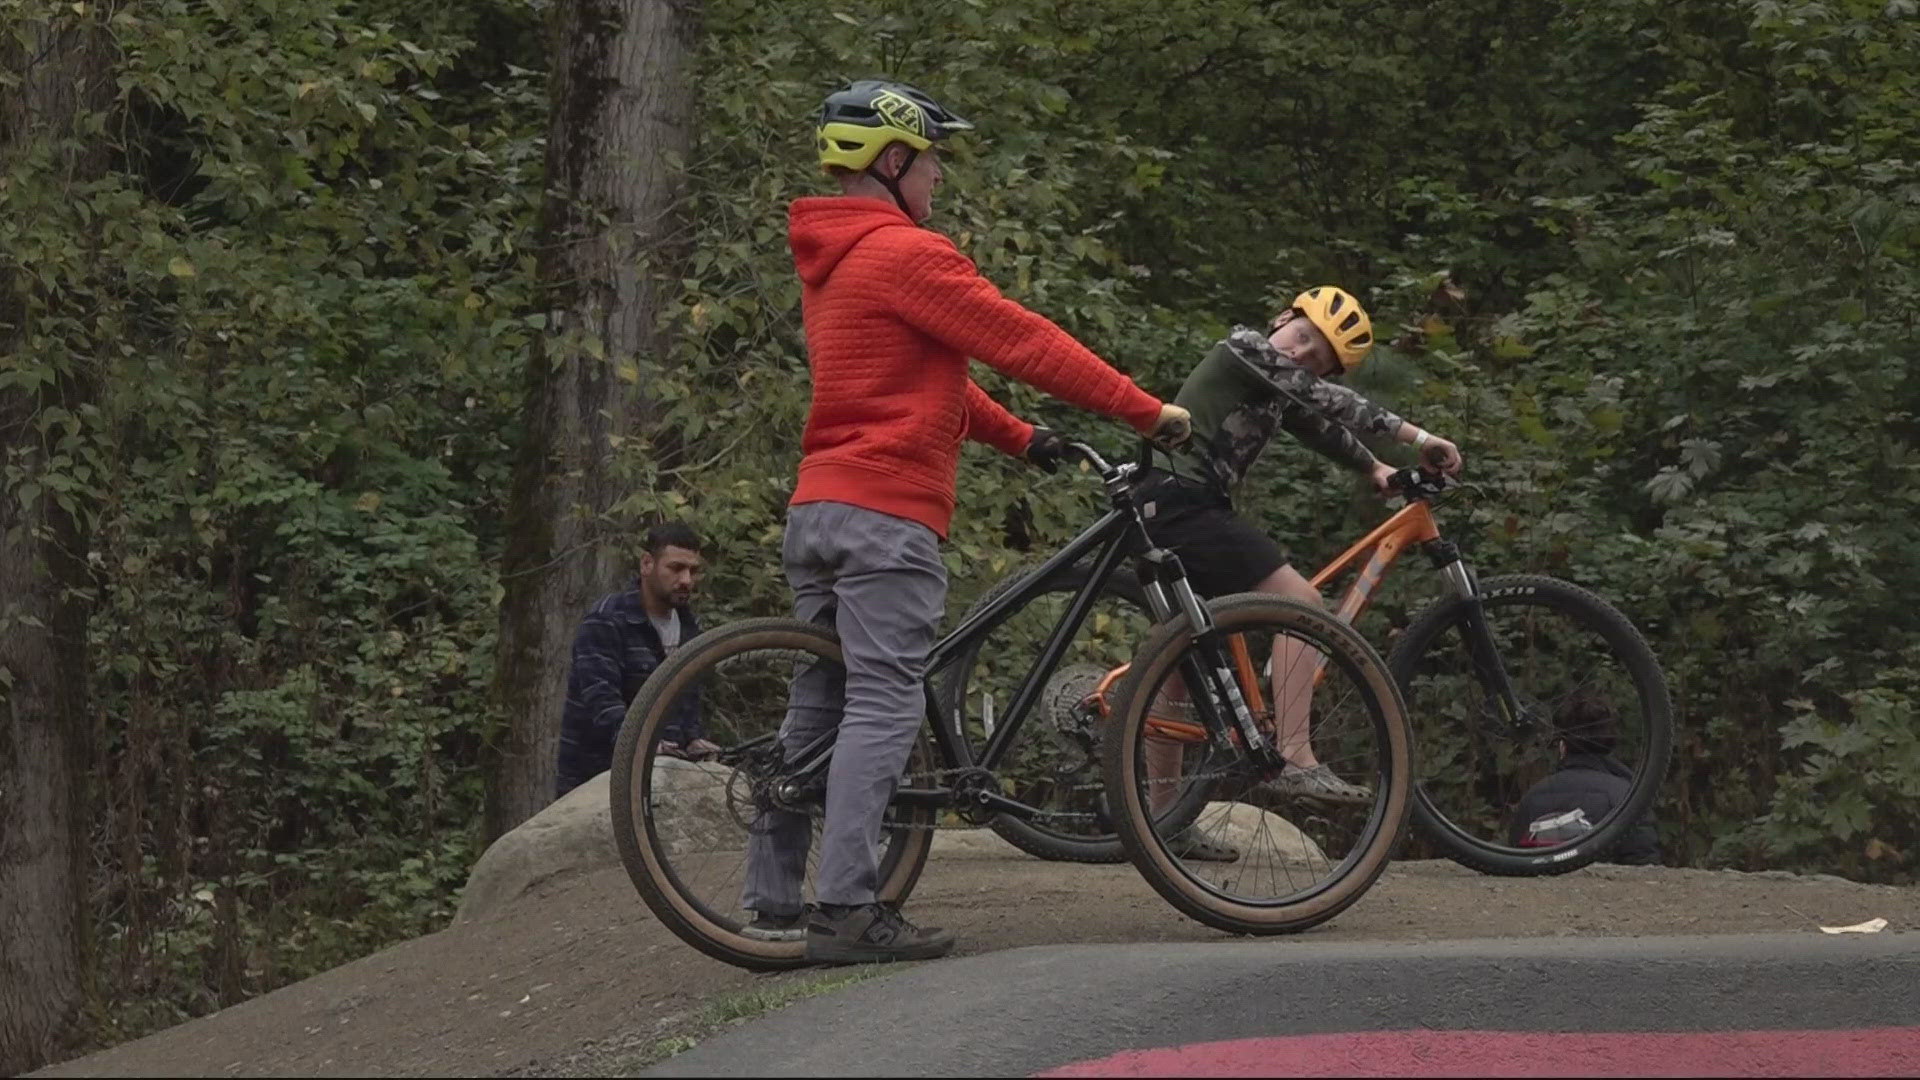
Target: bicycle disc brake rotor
{"type": "Point", "coordinates": [741, 801]}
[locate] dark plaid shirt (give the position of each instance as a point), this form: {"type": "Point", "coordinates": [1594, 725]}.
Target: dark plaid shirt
{"type": "Point", "coordinates": [614, 651]}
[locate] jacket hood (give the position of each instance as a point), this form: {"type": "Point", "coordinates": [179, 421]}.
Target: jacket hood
{"type": "Point", "coordinates": [823, 229]}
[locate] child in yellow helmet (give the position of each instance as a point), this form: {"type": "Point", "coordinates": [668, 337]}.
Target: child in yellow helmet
{"type": "Point", "coordinates": [1249, 386]}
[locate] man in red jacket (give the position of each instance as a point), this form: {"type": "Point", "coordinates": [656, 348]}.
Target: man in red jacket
{"type": "Point", "coordinates": [892, 312]}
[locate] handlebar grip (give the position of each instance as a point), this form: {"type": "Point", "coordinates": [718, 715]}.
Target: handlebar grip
{"type": "Point", "coordinates": [1173, 431]}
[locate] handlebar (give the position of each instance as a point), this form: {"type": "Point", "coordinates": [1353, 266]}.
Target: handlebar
{"type": "Point", "coordinates": [1416, 483]}
{"type": "Point", "coordinates": [1421, 483]}
{"type": "Point", "coordinates": [1092, 457]}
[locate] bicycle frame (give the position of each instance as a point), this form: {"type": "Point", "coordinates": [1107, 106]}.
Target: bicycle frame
{"type": "Point", "coordinates": [1382, 547]}
{"type": "Point", "coordinates": [1413, 524]}
{"type": "Point", "coordinates": [1120, 533]}
{"type": "Point", "coordinates": [1109, 539]}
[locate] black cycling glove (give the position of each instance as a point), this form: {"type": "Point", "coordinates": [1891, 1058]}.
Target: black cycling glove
{"type": "Point", "coordinates": [1046, 448]}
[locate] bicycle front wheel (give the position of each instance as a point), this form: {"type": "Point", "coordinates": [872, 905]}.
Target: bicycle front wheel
{"type": "Point", "coordinates": [1273, 851]}
{"type": "Point", "coordinates": [684, 827]}
{"type": "Point", "coordinates": [1558, 644]}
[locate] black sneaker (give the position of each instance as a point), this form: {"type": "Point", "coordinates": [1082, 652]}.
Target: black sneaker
{"type": "Point", "coordinates": [768, 926]}
{"type": "Point", "coordinates": [870, 934]}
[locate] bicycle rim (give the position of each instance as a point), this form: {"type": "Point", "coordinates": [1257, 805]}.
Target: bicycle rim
{"type": "Point", "coordinates": [684, 827]}
{"type": "Point", "coordinates": [1301, 856]}
{"type": "Point", "coordinates": [1559, 644]}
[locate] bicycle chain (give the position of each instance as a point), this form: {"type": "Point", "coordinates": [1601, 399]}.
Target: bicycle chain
{"type": "Point", "coordinates": [1044, 817]}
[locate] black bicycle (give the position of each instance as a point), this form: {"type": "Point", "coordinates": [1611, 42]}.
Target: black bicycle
{"type": "Point", "coordinates": [1190, 751]}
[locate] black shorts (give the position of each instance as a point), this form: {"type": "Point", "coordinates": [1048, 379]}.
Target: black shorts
{"type": "Point", "coordinates": [1221, 551]}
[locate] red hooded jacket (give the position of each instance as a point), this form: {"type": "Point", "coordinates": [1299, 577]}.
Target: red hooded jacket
{"type": "Point", "coordinates": [892, 313]}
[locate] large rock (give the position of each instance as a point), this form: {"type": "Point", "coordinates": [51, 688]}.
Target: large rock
{"type": "Point", "coordinates": [575, 834]}
{"type": "Point", "coordinates": [700, 806]}
{"type": "Point", "coordinates": [571, 836]}
{"type": "Point", "coordinates": [1254, 830]}
{"type": "Point", "coordinates": [1248, 828]}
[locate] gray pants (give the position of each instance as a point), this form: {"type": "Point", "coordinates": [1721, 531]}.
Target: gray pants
{"type": "Point", "coordinates": [878, 580]}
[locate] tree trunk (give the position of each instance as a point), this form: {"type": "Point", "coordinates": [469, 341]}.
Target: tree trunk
{"type": "Point", "coordinates": [64, 72]}
{"type": "Point", "coordinates": [619, 132]}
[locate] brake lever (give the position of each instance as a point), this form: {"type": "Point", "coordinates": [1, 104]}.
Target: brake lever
{"type": "Point", "coordinates": [1417, 482]}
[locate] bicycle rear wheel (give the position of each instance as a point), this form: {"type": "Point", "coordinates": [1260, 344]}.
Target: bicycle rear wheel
{"type": "Point", "coordinates": [682, 827]}
{"type": "Point", "coordinates": [1302, 857]}
{"type": "Point", "coordinates": [1557, 642]}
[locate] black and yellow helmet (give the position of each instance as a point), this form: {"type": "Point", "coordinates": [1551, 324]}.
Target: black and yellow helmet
{"type": "Point", "coordinates": [863, 118]}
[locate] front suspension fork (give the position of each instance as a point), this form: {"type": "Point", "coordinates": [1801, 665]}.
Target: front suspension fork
{"type": "Point", "coordinates": [1208, 667]}
{"type": "Point", "coordinates": [1487, 665]}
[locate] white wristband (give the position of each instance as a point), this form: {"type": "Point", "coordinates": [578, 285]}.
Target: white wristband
{"type": "Point", "coordinates": [1420, 438]}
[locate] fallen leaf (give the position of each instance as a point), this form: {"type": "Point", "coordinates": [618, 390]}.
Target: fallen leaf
{"type": "Point", "coordinates": [1871, 926]}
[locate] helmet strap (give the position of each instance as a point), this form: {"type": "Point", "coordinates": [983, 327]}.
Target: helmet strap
{"type": "Point", "coordinates": [892, 183]}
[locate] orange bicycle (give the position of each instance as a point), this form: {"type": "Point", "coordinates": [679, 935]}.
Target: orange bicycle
{"type": "Point", "coordinates": [1487, 672]}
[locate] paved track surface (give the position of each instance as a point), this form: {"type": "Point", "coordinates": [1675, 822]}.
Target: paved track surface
{"type": "Point", "coordinates": [1750, 1005]}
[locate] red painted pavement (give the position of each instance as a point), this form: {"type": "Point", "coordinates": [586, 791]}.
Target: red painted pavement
{"type": "Point", "coordinates": [1891, 1051]}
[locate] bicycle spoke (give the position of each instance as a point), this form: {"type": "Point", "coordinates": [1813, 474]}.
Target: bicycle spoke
{"type": "Point", "coordinates": [1295, 833]}
{"type": "Point", "coordinates": [1559, 646]}
{"type": "Point", "coordinates": [687, 829]}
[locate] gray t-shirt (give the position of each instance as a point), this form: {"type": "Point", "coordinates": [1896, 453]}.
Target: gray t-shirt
{"type": "Point", "coordinates": [668, 629]}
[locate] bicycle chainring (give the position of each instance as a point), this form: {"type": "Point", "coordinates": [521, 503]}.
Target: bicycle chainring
{"type": "Point", "coordinates": [967, 785]}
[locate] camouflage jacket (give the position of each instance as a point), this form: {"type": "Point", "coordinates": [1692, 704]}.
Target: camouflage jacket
{"type": "Point", "coordinates": [1245, 390]}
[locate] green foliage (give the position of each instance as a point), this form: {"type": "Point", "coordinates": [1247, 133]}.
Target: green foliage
{"type": "Point", "coordinates": [1851, 801]}
{"type": "Point", "coordinates": [299, 285]}
{"type": "Point", "coordinates": [1652, 265]}
{"type": "Point", "coordinates": [1755, 289]}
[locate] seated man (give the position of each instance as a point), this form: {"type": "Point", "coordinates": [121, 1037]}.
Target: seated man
{"type": "Point", "coordinates": [620, 642]}
{"type": "Point", "coordinates": [1586, 787]}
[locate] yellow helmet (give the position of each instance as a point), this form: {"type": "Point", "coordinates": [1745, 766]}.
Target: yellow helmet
{"type": "Point", "coordinates": [1336, 314]}
{"type": "Point", "coordinates": [863, 118]}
